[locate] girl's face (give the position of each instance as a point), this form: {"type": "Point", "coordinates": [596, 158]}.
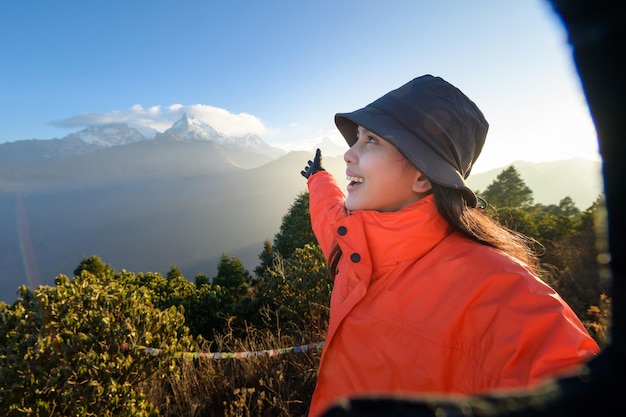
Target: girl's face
{"type": "Point", "coordinates": [380, 177]}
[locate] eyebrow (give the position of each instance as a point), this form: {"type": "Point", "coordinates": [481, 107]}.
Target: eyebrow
{"type": "Point", "coordinates": [364, 131]}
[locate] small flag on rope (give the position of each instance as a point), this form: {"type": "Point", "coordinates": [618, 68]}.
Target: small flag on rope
{"type": "Point", "coordinates": [226, 355]}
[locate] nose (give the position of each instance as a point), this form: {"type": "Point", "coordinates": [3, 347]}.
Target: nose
{"type": "Point", "coordinates": [350, 155]}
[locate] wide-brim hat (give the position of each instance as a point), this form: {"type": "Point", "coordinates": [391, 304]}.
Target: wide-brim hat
{"type": "Point", "coordinates": [436, 127]}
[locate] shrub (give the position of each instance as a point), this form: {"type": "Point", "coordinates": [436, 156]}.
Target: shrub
{"type": "Point", "coordinates": [62, 348]}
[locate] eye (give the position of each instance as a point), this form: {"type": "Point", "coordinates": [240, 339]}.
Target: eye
{"type": "Point", "coordinates": [366, 136]}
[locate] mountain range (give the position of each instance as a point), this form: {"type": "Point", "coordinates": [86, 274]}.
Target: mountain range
{"type": "Point", "coordinates": [95, 138]}
{"type": "Point", "coordinates": [183, 197]}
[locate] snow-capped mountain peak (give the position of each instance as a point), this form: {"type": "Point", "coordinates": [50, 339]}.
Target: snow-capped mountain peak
{"type": "Point", "coordinates": [190, 128]}
{"type": "Point", "coordinates": [106, 136]}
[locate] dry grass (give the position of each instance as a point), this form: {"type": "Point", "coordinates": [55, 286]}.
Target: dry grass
{"type": "Point", "coordinates": [256, 386]}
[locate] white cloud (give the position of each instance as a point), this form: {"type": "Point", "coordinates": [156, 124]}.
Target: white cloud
{"type": "Point", "coordinates": [229, 123]}
{"type": "Point", "coordinates": [175, 107]}
{"type": "Point", "coordinates": [161, 119]}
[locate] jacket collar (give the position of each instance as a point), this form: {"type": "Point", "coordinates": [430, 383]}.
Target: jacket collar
{"type": "Point", "coordinates": [405, 235]}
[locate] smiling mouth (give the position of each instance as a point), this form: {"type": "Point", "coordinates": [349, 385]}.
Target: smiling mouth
{"type": "Point", "coordinates": [355, 180]}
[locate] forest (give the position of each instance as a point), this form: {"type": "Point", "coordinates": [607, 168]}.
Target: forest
{"type": "Point", "coordinates": [240, 343]}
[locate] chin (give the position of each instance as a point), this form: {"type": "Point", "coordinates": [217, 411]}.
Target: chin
{"type": "Point", "coordinates": [350, 205]}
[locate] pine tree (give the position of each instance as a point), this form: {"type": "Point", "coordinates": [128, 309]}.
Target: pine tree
{"type": "Point", "coordinates": [295, 229]}
{"type": "Point", "coordinates": [233, 277]}
{"type": "Point", "coordinates": [266, 259]}
{"type": "Point", "coordinates": [95, 266]}
{"type": "Point", "coordinates": [508, 190]}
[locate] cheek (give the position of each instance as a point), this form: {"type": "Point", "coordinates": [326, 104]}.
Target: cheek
{"type": "Point", "coordinates": [395, 174]}
{"type": "Point", "coordinates": [400, 181]}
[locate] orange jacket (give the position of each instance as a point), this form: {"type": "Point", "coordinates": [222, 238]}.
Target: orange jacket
{"type": "Point", "coordinates": [416, 308]}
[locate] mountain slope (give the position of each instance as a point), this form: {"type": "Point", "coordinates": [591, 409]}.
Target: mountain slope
{"type": "Point", "coordinates": [138, 161]}
{"type": "Point", "coordinates": [145, 225]}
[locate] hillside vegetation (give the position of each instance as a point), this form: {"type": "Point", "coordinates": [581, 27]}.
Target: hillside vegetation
{"type": "Point", "coordinates": [240, 343]}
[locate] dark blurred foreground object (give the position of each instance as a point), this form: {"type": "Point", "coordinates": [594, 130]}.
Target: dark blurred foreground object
{"type": "Point", "coordinates": [597, 31]}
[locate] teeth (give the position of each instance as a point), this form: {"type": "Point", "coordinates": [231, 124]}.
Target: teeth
{"type": "Point", "coordinates": [355, 179]}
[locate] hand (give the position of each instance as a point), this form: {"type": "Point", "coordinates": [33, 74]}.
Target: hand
{"type": "Point", "coordinates": [313, 166]}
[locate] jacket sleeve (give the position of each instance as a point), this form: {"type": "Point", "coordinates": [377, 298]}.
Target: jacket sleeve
{"type": "Point", "coordinates": [552, 339]}
{"type": "Point", "coordinates": [555, 342]}
{"type": "Point", "coordinates": [326, 205]}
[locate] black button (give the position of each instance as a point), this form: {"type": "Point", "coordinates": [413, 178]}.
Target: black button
{"type": "Point", "coordinates": [355, 257]}
{"type": "Point", "coordinates": [342, 230]}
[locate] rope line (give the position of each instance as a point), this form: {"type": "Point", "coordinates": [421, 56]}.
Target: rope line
{"type": "Point", "coordinates": [226, 355]}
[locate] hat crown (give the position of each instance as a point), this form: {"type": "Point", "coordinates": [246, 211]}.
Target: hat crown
{"type": "Point", "coordinates": [441, 116]}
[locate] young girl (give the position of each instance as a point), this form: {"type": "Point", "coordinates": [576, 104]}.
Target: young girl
{"type": "Point", "coordinates": [430, 295]}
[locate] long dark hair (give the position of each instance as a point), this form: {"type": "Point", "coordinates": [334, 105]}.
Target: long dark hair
{"type": "Point", "coordinates": [473, 223]}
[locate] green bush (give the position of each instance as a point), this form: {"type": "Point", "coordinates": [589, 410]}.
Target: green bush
{"type": "Point", "coordinates": [62, 348]}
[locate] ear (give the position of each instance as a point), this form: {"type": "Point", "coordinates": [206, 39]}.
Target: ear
{"type": "Point", "coordinates": [421, 184]}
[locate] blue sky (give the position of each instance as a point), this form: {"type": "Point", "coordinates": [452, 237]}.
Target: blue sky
{"type": "Point", "coordinates": [282, 69]}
